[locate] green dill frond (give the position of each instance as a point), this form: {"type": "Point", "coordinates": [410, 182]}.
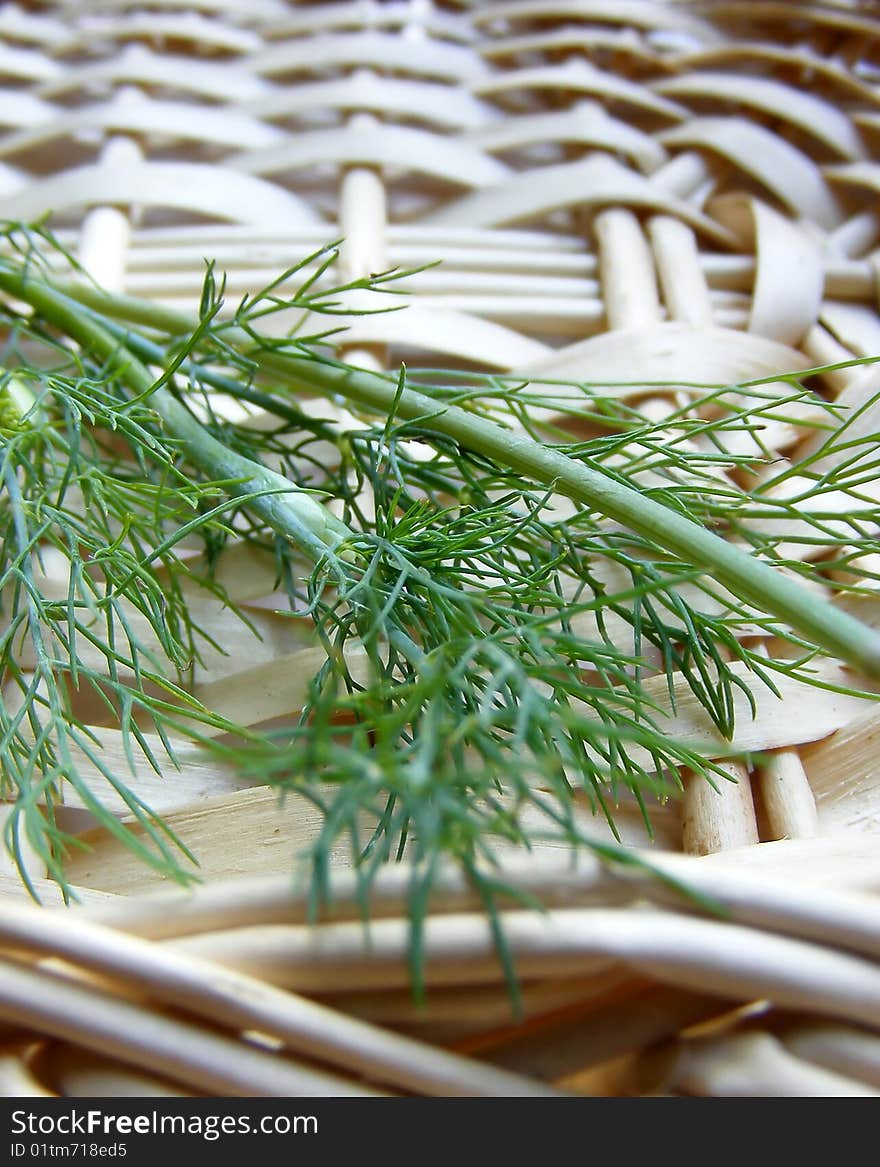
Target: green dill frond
{"type": "Point", "coordinates": [505, 614]}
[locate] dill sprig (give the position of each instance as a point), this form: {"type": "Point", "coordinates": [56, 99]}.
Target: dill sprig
{"type": "Point", "coordinates": [490, 595]}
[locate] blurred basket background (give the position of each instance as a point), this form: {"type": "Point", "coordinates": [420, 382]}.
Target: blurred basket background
{"type": "Point", "coordinates": [634, 191]}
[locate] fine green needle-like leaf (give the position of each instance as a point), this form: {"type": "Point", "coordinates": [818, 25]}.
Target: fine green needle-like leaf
{"type": "Point", "coordinates": [490, 594]}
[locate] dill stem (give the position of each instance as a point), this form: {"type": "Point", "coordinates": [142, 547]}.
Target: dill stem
{"type": "Point", "coordinates": [750, 579]}
{"type": "Point", "coordinates": [747, 577]}
{"type": "Point", "coordinates": [286, 508]}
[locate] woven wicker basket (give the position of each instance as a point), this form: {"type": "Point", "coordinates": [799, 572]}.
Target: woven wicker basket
{"type": "Point", "coordinates": [643, 190]}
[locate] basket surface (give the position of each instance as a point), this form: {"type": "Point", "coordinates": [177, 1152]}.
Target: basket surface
{"type": "Point", "coordinates": [640, 192]}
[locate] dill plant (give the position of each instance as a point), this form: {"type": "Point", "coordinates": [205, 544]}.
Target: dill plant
{"type": "Point", "coordinates": [490, 594]}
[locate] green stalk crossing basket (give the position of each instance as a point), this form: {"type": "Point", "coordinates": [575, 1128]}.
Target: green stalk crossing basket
{"type": "Point", "coordinates": [650, 195]}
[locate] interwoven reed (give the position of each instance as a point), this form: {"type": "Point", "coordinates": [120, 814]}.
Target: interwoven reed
{"type": "Point", "coordinates": [641, 191]}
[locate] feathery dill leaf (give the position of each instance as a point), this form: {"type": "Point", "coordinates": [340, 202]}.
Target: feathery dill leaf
{"type": "Point", "coordinates": [489, 593]}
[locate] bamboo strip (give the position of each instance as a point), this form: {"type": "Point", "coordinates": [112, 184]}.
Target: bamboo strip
{"type": "Point", "coordinates": [244, 833]}
{"type": "Point", "coordinates": [729, 960]}
{"type": "Point", "coordinates": [17, 1077]}
{"type": "Point", "coordinates": [626, 268]}
{"type": "Point", "coordinates": [842, 1049]}
{"type": "Point", "coordinates": [810, 113]}
{"type": "Point", "coordinates": [228, 999]}
{"type": "Point", "coordinates": [759, 886]}
{"type": "Point", "coordinates": [754, 1064]}
{"type": "Point", "coordinates": [787, 797]}
{"type": "Point", "coordinates": [193, 1055]}
{"type": "Point", "coordinates": [460, 1015]}
{"type": "Point", "coordinates": [718, 816]}
{"type": "Point", "coordinates": [79, 1073]}
{"type": "Point", "coordinates": [685, 289]}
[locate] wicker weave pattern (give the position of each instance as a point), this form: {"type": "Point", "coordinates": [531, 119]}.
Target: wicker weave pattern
{"type": "Point", "coordinates": [638, 191]}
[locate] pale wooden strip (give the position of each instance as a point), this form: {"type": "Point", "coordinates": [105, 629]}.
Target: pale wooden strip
{"type": "Point", "coordinates": [175, 72]}
{"type": "Point", "coordinates": [810, 113]}
{"type": "Point", "coordinates": [455, 64]}
{"type": "Point", "coordinates": [452, 159]}
{"type": "Point", "coordinates": [762, 886]}
{"type": "Point", "coordinates": [192, 1054]}
{"type": "Point", "coordinates": [470, 1015]}
{"type": "Point", "coordinates": [626, 266]}
{"type": "Point", "coordinates": [447, 279]}
{"type": "Point", "coordinates": [583, 77]}
{"type": "Point", "coordinates": [503, 297]}
{"type": "Point", "coordinates": [723, 959]}
{"type": "Point", "coordinates": [133, 112]}
{"type": "Point", "coordinates": [320, 18]}
{"type": "Point", "coordinates": [106, 231]}
{"type": "Point", "coordinates": [856, 236]}
{"type": "Point", "coordinates": [436, 104]}
{"type": "Point", "coordinates": [718, 817]}
{"type": "Point", "coordinates": [249, 252]}
{"type": "Point", "coordinates": [21, 111]}
{"type": "Point", "coordinates": [37, 27]}
{"type": "Point", "coordinates": [433, 327]}
{"type": "Point", "coordinates": [855, 325]}
{"type": "Point", "coordinates": [197, 776]}
{"type": "Point", "coordinates": [647, 14]}
{"type": "Point", "coordinates": [784, 170]}
{"type": "Point", "coordinates": [244, 12]}
{"type": "Point", "coordinates": [587, 123]}
{"type": "Point", "coordinates": [844, 773]}
{"type": "Point", "coordinates": [261, 636]}
{"type": "Point", "coordinates": [798, 526]}
{"type": "Point", "coordinates": [531, 303]}
{"type": "Point", "coordinates": [686, 175]}
{"type": "Point", "coordinates": [670, 352]}
{"type": "Point", "coordinates": [244, 571]}
{"type": "Point", "coordinates": [279, 689]}
{"type": "Point", "coordinates": [846, 759]}
{"type": "Point", "coordinates": [594, 182]}
{"type": "Point", "coordinates": [251, 258]}
{"type": "Point", "coordinates": [275, 688]}
{"type": "Point", "coordinates": [17, 1076]}
{"type": "Point", "coordinates": [187, 186]}
{"type": "Point", "coordinates": [677, 256]}
{"type": "Point", "coordinates": [555, 247]}
{"type": "Point", "coordinates": [789, 276]}
{"type": "Point", "coordinates": [202, 32]}
{"type": "Point", "coordinates": [632, 52]}
{"type": "Point", "coordinates": [846, 920]}
{"type": "Point", "coordinates": [29, 65]}
{"type": "Point", "coordinates": [754, 1065]}
{"type": "Point", "coordinates": [103, 243]}
{"type": "Point", "coordinates": [824, 349]}
{"type": "Point", "coordinates": [249, 832]}
{"type": "Point", "coordinates": [842, 1049]}
{"type": "Point", "coordinates": [837, 861]}
{"type": "Point", "coordinates": [50, 893]}
{"type": "Point", "coordinates": [787, 797]}
{"type": "Point", "coordinates": [195, 986]}
{"type": "Point", "coordinates": [860, 175]}
{"type": "Point", "coordinates": [800, 713]}
{"type": "Point", "coordinates": [363, 222]}
{"type": "Point", "coordinates": [80, 1073]}
{"type": "Point", "coordinates": [550, 317]}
